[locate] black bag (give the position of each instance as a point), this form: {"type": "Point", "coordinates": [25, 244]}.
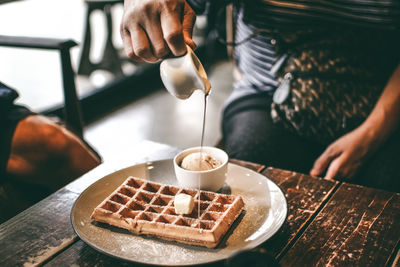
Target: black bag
{"type": "Point", "coordinates": [323, 94]}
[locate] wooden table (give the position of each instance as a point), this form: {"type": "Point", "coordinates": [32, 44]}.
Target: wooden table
{"type": "Point", "coordinates": [328, 224]}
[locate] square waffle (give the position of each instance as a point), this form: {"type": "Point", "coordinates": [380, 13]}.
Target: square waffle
{"type": "Point", "coordinates": [147, 208]}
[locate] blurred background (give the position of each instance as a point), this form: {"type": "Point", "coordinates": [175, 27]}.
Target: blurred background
{"type": "Point", "coordinates": [121, 101]}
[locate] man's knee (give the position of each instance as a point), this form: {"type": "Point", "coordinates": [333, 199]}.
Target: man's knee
{"type": "Point", "coordinates": [66, 150]}
{"type": "Point", "coordinates": [56, 142]}
{"type": "Point", "coordinates": [39, 138]}
{"type": "Point", "coordinates": [43, 145]}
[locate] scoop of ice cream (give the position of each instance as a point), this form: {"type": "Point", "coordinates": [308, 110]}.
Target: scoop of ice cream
{"type": "Point", "coordinates": [199, 162]}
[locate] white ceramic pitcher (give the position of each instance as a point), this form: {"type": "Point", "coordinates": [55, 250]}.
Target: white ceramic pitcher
{"type": "Point", "coordinates": [183, 75]}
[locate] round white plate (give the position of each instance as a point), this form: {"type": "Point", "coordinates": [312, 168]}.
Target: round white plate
{"type": "Point", "coordinates": [265, 212]}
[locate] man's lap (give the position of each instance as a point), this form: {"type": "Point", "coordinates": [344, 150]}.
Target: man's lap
{"type": "Point", "coordinates": [250, 134]}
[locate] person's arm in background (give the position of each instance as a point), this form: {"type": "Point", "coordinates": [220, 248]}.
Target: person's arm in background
{"type": "Point", "coordinates": [344, 157]}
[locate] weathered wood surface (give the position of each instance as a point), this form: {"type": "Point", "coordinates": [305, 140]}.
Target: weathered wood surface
{"type": "Point", "coordinates": [80, 254]}
{"type": "Point", "coordinates": [352, 226]}
{"type": "Point", "coordinates": [305, 196]}
{"type": "Point", "coordinates": [250, 165]}
{"type": "Point", "coordinates": [358, 227]}
{"type": "Point", "coordinates": [38, 232]}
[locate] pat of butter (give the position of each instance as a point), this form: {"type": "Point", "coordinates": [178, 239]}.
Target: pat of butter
{"type": "Point", "coordinates": [183, 204]}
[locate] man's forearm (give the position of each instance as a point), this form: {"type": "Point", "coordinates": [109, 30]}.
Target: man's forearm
{"type": "Point", "coordinates": [385, 116]}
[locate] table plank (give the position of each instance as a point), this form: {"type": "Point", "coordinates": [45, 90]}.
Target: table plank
{"type": "Point", "coordinates": [305, 196]}
{"type": "Point", "coordinates": [38, 232]}
{"type": "Point", "coordinates": [359, 226]}
{"type": "Point", "coordinates": [250, 165]}
{"type": "Point", "coordinates": [43, 230]}
{"type": "Point", "coordinates": [80, 254]}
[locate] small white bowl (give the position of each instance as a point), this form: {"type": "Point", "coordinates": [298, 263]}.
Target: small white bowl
{"type": "Point", "coordinates": [211, 180]}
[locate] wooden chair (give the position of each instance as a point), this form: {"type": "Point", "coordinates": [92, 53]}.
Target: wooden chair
{"type": "Point", "coordinates": [27, 194]}
{"type": "Point", "coordinates": [110, 60]}
{"type": "Point", "coordinates": [72, 109]}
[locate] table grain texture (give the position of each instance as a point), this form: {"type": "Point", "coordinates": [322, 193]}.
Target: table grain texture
{"type": "Point", "coordinates": [328, 223]}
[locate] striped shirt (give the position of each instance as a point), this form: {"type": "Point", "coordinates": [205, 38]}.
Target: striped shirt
{"type": "Point", "coordinates": [371, 27]}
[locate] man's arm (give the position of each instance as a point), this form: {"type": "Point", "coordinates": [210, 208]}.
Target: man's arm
{"type": "Point", "coordinates": [345, 156]}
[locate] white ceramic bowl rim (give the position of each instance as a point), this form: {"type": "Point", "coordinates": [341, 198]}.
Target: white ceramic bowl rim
{"type": "Point", "coordinates": [197, 149]}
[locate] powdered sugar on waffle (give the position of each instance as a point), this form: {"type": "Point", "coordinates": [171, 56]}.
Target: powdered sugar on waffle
{"type": "Point", "coordinates": [145, 207]}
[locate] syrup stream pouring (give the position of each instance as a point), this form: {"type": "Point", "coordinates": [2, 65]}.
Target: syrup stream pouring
{"type": "Point", "coordinates": [181, 76]}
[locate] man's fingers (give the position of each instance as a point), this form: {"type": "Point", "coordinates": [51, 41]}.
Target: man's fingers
{"type": "Point", "coordinates": [127, 42]}
{"type": "Point", "coordinates": [190, 43]}
{"type": "Point", "coordinates": [340, 169]}
{"type": "Point", "coordinates": [141, 45]}
{"type": "Point", "coordinates": [333, 170]}
{"type": "Point", "coordinates": [157, 28]}
{"type": "Point", "coordinates": [155, 34]}
{"type": "Point", "coordinates": [343, 168]}
{"type": "Point", "coordinates": [325, 159]}
{"type": "Point", "coordinates": [320, 164]}
{"type": "Point", "coordinates": [173, 33]}
{"type": "Point", "coordinates": [189, 18]}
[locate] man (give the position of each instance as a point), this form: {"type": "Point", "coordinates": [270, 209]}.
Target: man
{"type": "Point", "coordinates": [366, 153]}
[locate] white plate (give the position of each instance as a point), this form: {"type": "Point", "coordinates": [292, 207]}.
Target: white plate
{"type": "Point", "coordinates": [265, 212]}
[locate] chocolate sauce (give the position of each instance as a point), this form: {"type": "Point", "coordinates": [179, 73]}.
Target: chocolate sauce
{"type": "Point", "coordinates": [201, 150]}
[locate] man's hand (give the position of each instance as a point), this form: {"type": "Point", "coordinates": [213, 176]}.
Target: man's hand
{"type": "Point", "coordinates": [152, 29]}
{"type": "Point", "coordinates": [343, 158]}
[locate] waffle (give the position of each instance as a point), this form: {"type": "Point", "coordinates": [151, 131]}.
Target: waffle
{"type": "Point", "coordinates": [146, 208]}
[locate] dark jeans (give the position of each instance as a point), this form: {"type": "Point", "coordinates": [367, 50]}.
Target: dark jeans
{"type": "Point", "coordinates": [250, 134]}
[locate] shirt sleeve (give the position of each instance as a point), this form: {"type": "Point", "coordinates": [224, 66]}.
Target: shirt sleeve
{"type": "Point", "coordinates": [10, 115]}
{"type": "Point", "coordinates": [202, 7]}
{"type": "Point", "coordinates": [7, 97]}
{"type": "Point", "coordinates": [9, 111]}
